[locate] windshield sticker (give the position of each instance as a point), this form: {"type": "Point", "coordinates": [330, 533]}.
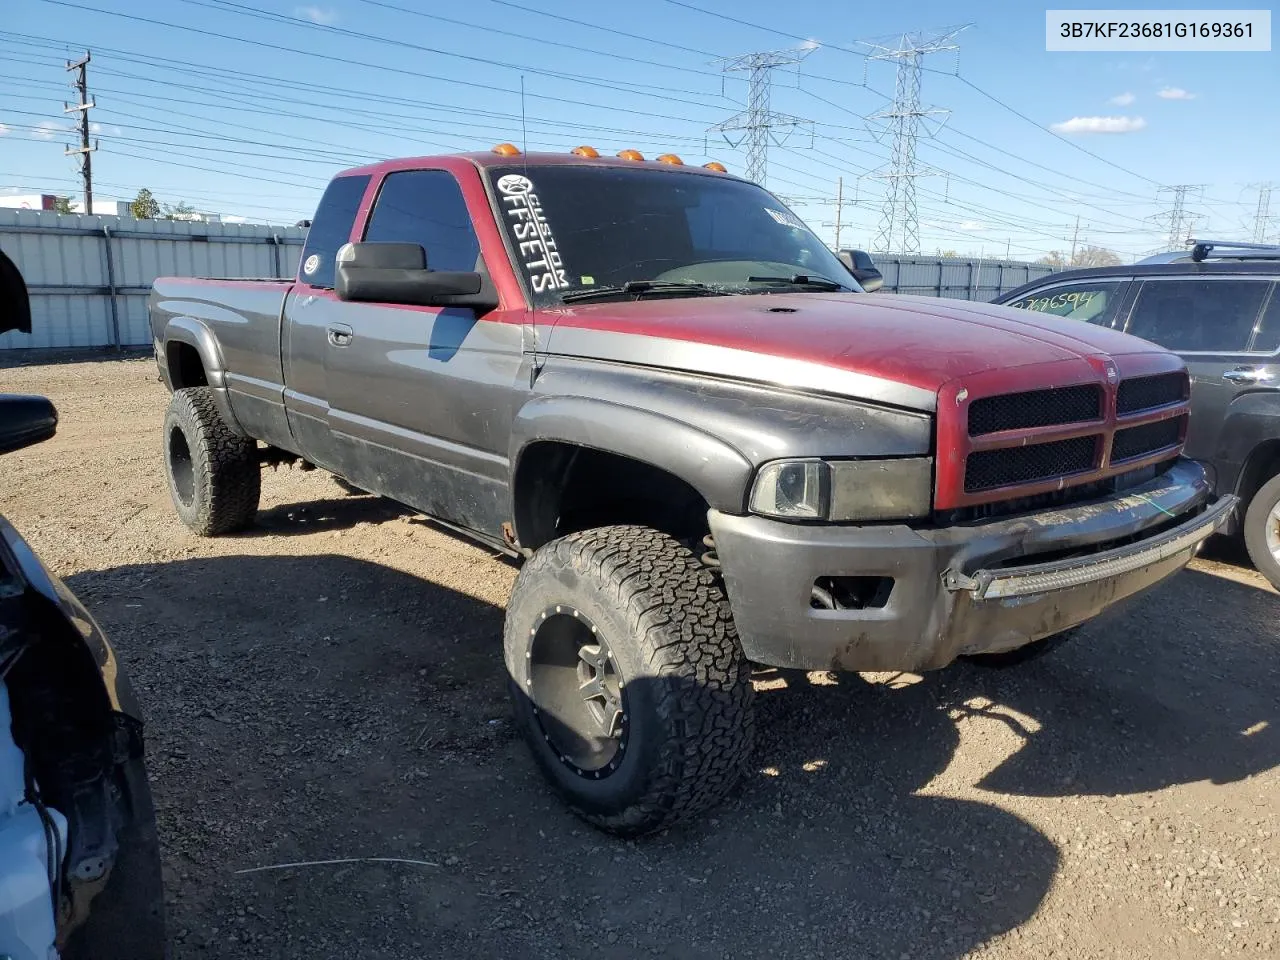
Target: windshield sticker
{"type": "Point", "coordinates": [1076, 299]}
{"type": "Point", "coordinates": [312, 264]}
{"type": "Point", "coordinates": [785, 218]}
{"type": "Point", "coordinates": [536, 245]}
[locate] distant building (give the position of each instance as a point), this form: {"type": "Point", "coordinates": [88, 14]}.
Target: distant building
{"type": "Point", "coordinates": [28, 201]}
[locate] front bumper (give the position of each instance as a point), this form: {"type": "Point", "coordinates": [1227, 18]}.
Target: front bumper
{"type": "Point", "coordinates": [983, 587]}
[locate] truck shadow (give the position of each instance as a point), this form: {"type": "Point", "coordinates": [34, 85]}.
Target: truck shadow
{"type": "Point", "coordinates": [375, 723]}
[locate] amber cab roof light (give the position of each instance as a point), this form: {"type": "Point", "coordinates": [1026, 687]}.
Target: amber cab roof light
{"type": "Point", "coordinates": [672, 159]}
{"type": "Point", "coordinates": [584, 151]}
{"type": "Point", "coordinates": [630, 155]}
{"type": "Point", "coordinates": [716, 166]}
{"type": "Point", "coordinates": [507, 150]}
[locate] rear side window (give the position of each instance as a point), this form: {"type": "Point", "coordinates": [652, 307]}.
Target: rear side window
{"type": "Point", "coordinates": [1093, 301]}
{"type": "Point", "coordinates": [1267, 337]}
{"type": "Point", "coordinates": [331, 228]}
{"type": "Point", "coordinates": [426, 207]}
{"type": "Point", "coordinates": [1199, 316]}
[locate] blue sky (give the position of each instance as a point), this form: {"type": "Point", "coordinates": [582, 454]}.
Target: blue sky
{"type": "Point", "coordinates": [235, 124]}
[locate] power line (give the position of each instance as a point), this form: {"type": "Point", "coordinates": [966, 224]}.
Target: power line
{"type": "Point", "coordinates": [758, 122]}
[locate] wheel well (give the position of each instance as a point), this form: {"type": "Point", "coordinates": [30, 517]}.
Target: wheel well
{"type": "Point", "coordinates": [1262, 465]}
{"type": "Point", "coordinates": [186, 369]}
{"type": "Point", "coordinates": [561, 488]}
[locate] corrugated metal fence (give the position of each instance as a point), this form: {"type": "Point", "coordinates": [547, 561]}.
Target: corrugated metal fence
{"type": "Point", "coordinates": [89, 277]}
{"type": "Point", "coordinates": [958, 278]}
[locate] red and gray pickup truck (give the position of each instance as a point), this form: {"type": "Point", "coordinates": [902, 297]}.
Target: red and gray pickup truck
{"type": "Point", "coordinates": [710, 448]}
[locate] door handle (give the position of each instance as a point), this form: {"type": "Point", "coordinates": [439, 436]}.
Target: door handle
{"type": "Point", "coordinates": [340, 335]}
{"type": "Point", "coordinates": [1249, 375]}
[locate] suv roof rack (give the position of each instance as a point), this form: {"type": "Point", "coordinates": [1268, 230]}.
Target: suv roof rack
{"type": "Point", "coordinates": [1202, 250]}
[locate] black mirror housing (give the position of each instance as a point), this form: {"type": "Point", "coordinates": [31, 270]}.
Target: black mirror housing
{"type": "Point", "coordinates": [863, 268]}
{"type": "Point", "coordinates": [374, 272]}
{"type": "Point", "coordinates": [25, 421]}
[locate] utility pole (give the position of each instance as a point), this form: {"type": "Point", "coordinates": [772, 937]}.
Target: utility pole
{"type": "Point", "coordinates": [839, 202]}
{"type": "Point", "coordinates": [758, 122]}
{"type": "Point", "coordinates": [1074, 237]}
{"type": "Point", "coordinates": [1179, 218]}
{"type": "Point", "coordinates": [899, 218]}
{"type": "Point", "coordinates": [1261, 217]}
{"type": "Point", "coordinates": [84, 151]}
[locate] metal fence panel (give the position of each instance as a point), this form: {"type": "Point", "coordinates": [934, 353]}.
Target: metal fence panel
{"type": "Point", "coordinates": [959, 278]}
{"type": "Point", "coordinates": [88, 277]}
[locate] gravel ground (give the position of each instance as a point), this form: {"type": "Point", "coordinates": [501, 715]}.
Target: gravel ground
{"type": "Point", "coordinates": [330, 686]}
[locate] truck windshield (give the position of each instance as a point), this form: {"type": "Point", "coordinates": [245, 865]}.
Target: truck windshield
{"type": "Point", "coordinates": [583, 233]}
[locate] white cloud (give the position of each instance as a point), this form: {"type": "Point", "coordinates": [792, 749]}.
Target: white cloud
{"type": "Point", "coordinates": [321, 15]}
{"type": "Point", "coordinates": [3, 129]}
{"type": "Point", "coordinates": [48, 129]}
{"type": "Point", "coordinates": [1099, 125]}
{"type": "Point", "coordinates": [971, 226]}
{"type": "Point", "coordinates": [1123, 99]}
{"type": "Point", "coordinates": [1174, 93]}
{"type": "Point", "coordinates": [810, 44]}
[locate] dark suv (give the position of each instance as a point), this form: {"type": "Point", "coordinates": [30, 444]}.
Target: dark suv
{"type": "Point", "coordinates": [1218, 306]}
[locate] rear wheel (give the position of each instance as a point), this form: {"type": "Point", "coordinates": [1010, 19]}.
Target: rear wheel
{"type": "Point", "coordinates": [628, 679]}
{"type": "Point", "coordinates": [1023, 654]}
{"type": "Point", "coordinates": [1262, 530]}
{"type": "Point", "coordinates": [213, 474]}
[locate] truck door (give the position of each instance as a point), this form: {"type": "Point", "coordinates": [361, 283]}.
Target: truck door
{"type": "Point", "coordinates": [1213, 323]}
{"type": "Point", "coordinates": [421, 399]}
{"type": "Point", "coordinates": [309, 311]}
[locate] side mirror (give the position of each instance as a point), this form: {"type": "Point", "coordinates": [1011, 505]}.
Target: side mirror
{"type": "Point", "coordinates": [374, 272]}
{"type": "Point", "coordinates": [863, 268]}
{"type": "Point", "coordinates": [25, 420]}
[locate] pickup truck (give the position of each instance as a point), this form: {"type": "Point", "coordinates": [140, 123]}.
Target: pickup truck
{"type": "Point", "coordinates": [710, 449]}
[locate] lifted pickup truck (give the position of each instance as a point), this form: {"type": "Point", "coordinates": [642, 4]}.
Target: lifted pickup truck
{"type": "Point", "coordinates": [658, 388]}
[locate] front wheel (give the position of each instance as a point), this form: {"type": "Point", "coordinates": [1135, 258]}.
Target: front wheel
{"type": "Point", "coordinates": [1262, 530]}
{"type": "Point", "coordinates": [628, 678]}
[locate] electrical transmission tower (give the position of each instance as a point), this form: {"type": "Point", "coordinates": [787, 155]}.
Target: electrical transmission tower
{"type": "Point", "coordinates": [84, 151]}
{"type": "Point", "coordinates": [899, 218]}
{"type": "Point", "coordinates": [758, 123]}
{"type": "Point", "coordinates": [1180, 219]}
{"type": "Point", "coordinates": [1262, 217]}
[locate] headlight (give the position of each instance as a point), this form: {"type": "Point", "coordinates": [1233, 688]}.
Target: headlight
{"type": "Point", "coordinates": [843, 490]}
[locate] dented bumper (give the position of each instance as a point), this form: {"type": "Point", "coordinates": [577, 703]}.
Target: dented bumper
{"type": "Point", "coordinates": [983, 587]}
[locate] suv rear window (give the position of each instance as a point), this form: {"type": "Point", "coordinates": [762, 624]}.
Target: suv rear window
{"type": "Point", "coordinates": [1094, 301]}
{"type": "Point", "coordinates": [1199, 316]}
{"type": "Point", "coordinates": [331, 228]}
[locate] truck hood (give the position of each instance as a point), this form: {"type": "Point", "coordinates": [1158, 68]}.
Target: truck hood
{"type": "Point", "coordinates": [895, 349]}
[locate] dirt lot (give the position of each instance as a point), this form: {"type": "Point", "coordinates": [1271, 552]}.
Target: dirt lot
{"type": "Point", "coordinates": [330, 686]}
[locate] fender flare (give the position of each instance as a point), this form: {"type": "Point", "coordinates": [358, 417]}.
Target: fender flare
{"type": "Point", "coordinates": [717, 470]}
{"type": "Point", "coordinates": [195, 333]}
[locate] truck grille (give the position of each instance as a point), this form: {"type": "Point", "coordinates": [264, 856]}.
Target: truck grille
{"type": "Point", "coordinates": [989, 469]}
{"type": "Point", "coordinates": [1133, 442]}
{"type": "Point", "coordinates": [1035, 408]}
{"type": "Point", "coordinates": [1143, 393]}
{"type": "Point", "coordinates": [1067, 438]}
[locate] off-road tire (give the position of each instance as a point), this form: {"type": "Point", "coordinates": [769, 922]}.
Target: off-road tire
{"type": "Point", "coordinates": [1023, 654]}
{"type": "Point", "coordinates": [1256, 519]}
{"type": "Point", "coordinates": [214, 477]}
{"type": "Point", "coordinates": [687, 690]}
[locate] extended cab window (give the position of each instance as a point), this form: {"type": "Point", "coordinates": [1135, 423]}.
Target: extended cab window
{"type": "Point", "coordinates": [1094, 301]}
{"type": "Point", "coordinates": [1199, 316]}
{"type": "Point", "coordinates": [331, 228]}
{"type": "Point", "coordinates": [426, 207]}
